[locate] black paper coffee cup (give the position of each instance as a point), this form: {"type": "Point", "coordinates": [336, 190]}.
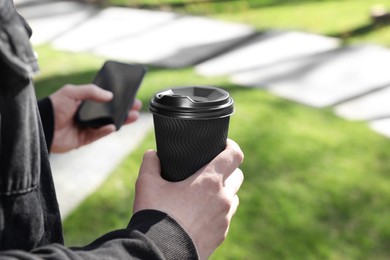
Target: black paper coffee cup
{"type": "Point", "coordinates": [191, 127]}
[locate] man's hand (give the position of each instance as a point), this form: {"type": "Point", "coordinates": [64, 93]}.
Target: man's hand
{"type": "Point", "coordinates": [203, 204]}
{"type": "Point", "coordinates": [67, 135]}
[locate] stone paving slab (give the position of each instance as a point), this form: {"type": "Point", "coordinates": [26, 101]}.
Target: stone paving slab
{"type": "Point", "coordinates": [182, 42]}
{"type": "Point", "coordinates": [268, 48]}
{"type": "Point", "coordinates": [49, 19]}
{"type": "Point", "coordinates": [112, 24]}
{"type": "Point", "coordinates": [19, 3]}
{"type": "Point", "coordinates": [153, 37]}
{"type": "Point", "coordinates": [80, 172]}
{"type": "Point", "coordinates": [325, 79]}
{"type": "Point", "coordinates": [381, 126]}
{"type": "Point", "coordinates": [368, 107]}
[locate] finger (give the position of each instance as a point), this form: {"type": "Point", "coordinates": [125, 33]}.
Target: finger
{"type": "Point", "coordinates": [92, 92]}
{"type": "Point", "coordinates": [137, 105]}
{"type": "Point", "coordinates": [234, 206]}
{"type": "Point", "coordinates": [150, 164]}
{"type": "Point", "coordinates": [228, 160]}
{"type": "Point", "coordinates": [230, 144]}
{"type": "Point", "coordinates": [232, 211]}
{"type": "Point", "coordinates": [132, 116]}
{"type": "Point", "coordinates": [95, 134]}
{"type": "Point", "coordinates": [233, 182]}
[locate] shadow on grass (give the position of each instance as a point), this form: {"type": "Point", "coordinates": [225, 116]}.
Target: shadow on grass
{"type": "Point", "coordinates": [362, 30]}
{"type": "Point", "coordinates": [191, 3]}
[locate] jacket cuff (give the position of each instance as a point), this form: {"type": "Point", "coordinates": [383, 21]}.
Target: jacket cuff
{"type": "Point", "coordinates": [47, 117]}
{"type": "Point", "coordinates": [166, 233]}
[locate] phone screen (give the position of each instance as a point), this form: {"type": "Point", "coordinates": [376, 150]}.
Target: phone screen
{"type": "Point", "coordinates": [123, 80]}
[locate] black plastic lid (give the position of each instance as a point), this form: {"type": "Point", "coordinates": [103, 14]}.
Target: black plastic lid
{"type": "Point", "coordinates": [195, 102]}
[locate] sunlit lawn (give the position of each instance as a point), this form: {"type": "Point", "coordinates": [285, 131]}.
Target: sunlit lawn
{"type": "Point", "coordinates": [316, 186]}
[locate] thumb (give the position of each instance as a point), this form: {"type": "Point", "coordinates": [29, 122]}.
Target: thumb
{"type": "Point", "coordinates": [150, 164]}
{"type": "Point", "coordinates": [92, 92]}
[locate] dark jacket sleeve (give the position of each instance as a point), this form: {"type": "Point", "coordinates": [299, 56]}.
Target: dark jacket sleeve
{"type": "Point", "coordinates": [150, 235]}
{"type": "Point", "coordinates": [47, 116]}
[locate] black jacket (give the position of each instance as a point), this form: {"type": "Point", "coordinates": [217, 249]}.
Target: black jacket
{"type": "Point", "coordinates": [30, 223]}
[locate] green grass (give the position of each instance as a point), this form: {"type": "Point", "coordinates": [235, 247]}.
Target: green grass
{"type": "Point", "coordinates": [316, 186]}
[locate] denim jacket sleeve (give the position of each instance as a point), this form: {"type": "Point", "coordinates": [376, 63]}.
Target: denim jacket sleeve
{"type": "Point", "coordinates": [16, 52]}
{"type": "Point", "coordinates": [47, 116]}
{"type": "Point", "coordinates": [29, 214]}
{"type": "Point", "coordinates": [14, 41]}
{"type": "Point", "coordinates": [150, 235]}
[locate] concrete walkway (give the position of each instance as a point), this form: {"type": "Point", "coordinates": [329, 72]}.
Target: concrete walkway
{"type": "Point", "coordinates": [80, 172]}
{"type": "Point", "coordinates": [310, 69]}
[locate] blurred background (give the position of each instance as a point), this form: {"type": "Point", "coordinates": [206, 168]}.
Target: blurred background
{"type": "Point", "coordinates": [309, 80]}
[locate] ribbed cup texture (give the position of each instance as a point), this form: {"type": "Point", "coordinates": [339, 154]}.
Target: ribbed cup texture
{"type": "Point", "coordinates": [184, 146]}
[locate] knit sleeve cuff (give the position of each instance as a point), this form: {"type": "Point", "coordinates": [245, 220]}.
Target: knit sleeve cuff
{"type": "Point", "coordinates": [47, 116]}
{"type": "Point", "coordinates": [166, 233]}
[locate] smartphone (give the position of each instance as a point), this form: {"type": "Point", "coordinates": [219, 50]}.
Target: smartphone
{"type": "Point", "coordinates": [123, 80]}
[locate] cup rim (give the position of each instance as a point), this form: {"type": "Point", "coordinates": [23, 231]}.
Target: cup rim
{"type": "Point", "coordinates": [192, 102]}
